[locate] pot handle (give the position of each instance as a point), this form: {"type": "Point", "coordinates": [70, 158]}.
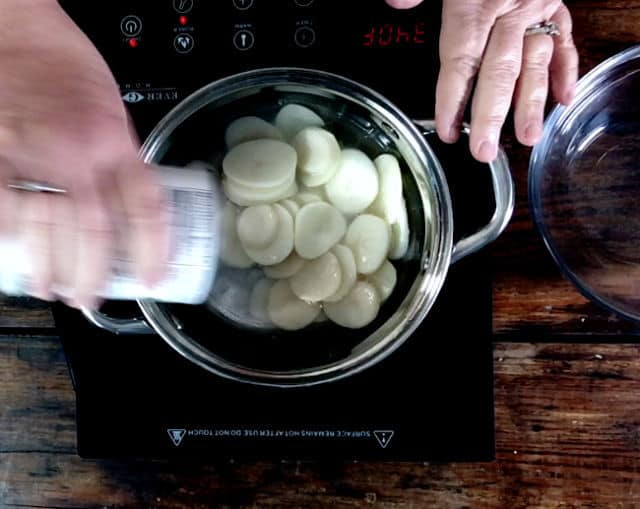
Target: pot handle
{"type": "Point", "coordinates": [134, 326]}
{"type": "Point", "coordinates": [504, 193]}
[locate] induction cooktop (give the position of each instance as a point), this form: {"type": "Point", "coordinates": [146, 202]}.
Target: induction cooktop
{"type": "Point", "coordinates": [432, 399]}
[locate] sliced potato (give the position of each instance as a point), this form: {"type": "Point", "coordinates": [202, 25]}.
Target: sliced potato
{"type": "Point", "coordinates": [287, 268]}
{"type": "Point", "coordinates": [400, 233]}
{"type": "Point", "coordinates": [261, 164]}
{"type": "Point", "coordinates": [384, 280]}
{"type": "Point", "coordinates": [355, 184]}
{"type": "Point", "coordinates": [287, 311]}
{"type": "Point", "coordinates": [282, 245]}
{"type": "Point", "coordinates": [257, 226]}
{"type": "Point", "coordinates": [322, 317]}
{"type": "Point", "coordinates": [250, 128]}
{"type": "Point", "coordinates": [388, 204]}
{"type": "Point", "coordinates": [295, 227]}
{"type": "Point", "coordinates": [304, 198]}
{"type": "Point", "coordinates": [319, 227]}
{"type": "Point", "coordinates": [348, 272]}
{"type": "Point", "coordinates": [359, 308]}
{"type": "Point", "coordinates": [292, 207]}
{"type": "Point", "coordinates": [259, 300]}
{"type": "Point", "coordinates": [320, 179]}
{"type": "Point", "coordinates": [293, 118]}
{"type": "Point", "coordinates": [248, 196]}
{"type": "Point", "coordinates": [231, 251]}
{"type": "Point", "coordinates": [318, 279]}
{"type": "Point", "coordinates": [318, 191]}
{"type": "Point", "coordinates": [318, 153]}
{"type": "Point", "coordinates": [368, 237]}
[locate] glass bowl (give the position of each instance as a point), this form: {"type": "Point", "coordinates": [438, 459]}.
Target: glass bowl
{"type": "Point", "coordinates": [584, 185]}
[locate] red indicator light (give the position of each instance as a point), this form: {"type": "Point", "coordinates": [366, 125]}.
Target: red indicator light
{"type": "Point", "coordinates": [133, 43]}
{"type": "Point", "coordinates": [183, 20]}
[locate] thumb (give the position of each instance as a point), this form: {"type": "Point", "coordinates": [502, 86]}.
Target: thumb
{"type": "Point", "coordinates": [403, 4]}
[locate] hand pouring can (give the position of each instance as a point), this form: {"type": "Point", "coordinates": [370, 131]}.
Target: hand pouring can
{"type": "Point", "coordinates": [193, 202]}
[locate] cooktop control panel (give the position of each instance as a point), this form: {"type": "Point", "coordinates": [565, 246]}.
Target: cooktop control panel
{"type": "Point", "coordinates": [162, 50]}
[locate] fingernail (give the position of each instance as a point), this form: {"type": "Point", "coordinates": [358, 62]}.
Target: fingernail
{"type": "Point", "coordinates": [487, 151]}
{"type": "Point", "coordinates": [532, 132]}
{"type": "Point", "coordinates": [569, 95]}
{"type": "Point", "coordinates": [452, 134]}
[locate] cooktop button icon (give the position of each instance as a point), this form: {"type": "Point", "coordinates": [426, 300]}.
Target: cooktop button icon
{"type": "Point", "coordinates": [244, 40]}
{"type": "Point", "coordinates": [305, 37]}
{"type": "Point", "coordinates": [183, 6]}
{"type": "Point", "coordinates": [304, 3]}
{"type": "Point", "coordinates": [243, 5]}
{"type": "Point", "coordinates": [131, 26]}
{"type": "Point", "coordinates": [183, 43]}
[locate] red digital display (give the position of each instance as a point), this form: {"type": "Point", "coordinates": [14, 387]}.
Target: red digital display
{"type": "Point", "coordinates": [393, 35]}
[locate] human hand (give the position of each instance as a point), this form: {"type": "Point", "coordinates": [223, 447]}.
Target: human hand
{"type": "Point", "coordinates": [509, 66]}
{"type": "Point", "coordinates": [62, 122]}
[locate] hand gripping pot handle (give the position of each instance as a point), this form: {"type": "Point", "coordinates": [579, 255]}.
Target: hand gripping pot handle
{"type": "Point", "coordinates": [503, 190]}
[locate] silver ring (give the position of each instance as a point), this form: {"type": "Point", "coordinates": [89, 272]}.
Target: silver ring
{"type": "Point", "coordinates": [35, 187]}
{"type": "Point", "coordinates": [544, 28]}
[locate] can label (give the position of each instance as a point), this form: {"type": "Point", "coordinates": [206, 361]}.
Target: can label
{"type": "Point", "coordinates": [193, 200]}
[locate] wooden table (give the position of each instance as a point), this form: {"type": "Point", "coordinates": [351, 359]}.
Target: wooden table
{"type": "Point", "coordinates": [567, 396]}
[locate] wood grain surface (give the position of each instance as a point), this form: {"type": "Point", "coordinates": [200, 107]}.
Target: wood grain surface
{"type": "Point", "coordinates": [567, 404]}
{"type": "Point", "coordinates": [568, 435]}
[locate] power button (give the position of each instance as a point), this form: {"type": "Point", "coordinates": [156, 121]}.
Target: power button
{"type": "Point", "coordinates": [131, 26]}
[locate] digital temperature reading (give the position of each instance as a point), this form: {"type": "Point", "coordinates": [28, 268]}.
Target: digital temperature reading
{"type": "Point", "coordinates": [391, 35]}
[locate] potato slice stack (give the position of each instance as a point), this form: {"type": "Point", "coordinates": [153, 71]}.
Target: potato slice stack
{"type": "Point", "coordinates": [320, 220]}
